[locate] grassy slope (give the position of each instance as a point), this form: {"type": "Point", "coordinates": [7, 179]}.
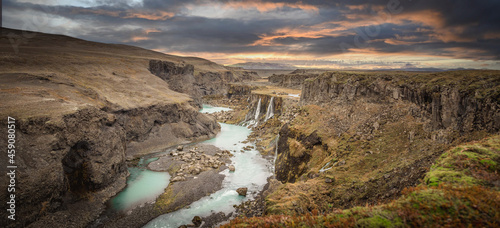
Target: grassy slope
{"type": "Point", "coordinates": [53, 75]}
{"type": "Point", "coordinates": [461, 190]}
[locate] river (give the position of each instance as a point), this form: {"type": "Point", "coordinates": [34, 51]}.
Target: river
{"type": "Point", "coordinates": [252, 171]}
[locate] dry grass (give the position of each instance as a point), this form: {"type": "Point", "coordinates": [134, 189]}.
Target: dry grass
{"type": "Point", "coordinates": [427, 205]}
{"type": "Point", "coordinates": [52, 75]}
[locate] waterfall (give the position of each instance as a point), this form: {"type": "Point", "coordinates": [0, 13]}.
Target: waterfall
{"type": "Point", "coordinates": [257, 111]}
{"type": "Point", "coordinates": [270, 110]}
{"type": "Point", "coordinates": [323, 169]}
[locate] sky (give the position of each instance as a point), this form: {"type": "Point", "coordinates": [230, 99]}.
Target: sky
{"type": "Point", "coordinates": [335, 34]}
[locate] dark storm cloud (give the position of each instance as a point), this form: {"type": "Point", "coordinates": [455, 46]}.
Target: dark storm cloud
{"type": "Point", "coordinates": [469, 29]}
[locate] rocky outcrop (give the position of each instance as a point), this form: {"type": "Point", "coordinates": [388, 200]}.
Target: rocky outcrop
{"type": "Point", "coordinates": [293, 80]}
{"type": "Point", "coordinates": [182, 78]}
{"type": "Point", "coordinates": [238, 90]}
{"type": "Point", "coordinates": [292, 153]}
{"type": "Point", "coordinates": [260, 107]}
{"type": "Point", "coordinates": [83, 156]}
{"type": "Point", "coordinates": [157, 127]}
{"type": "Point", "coordinates": [455, 106]}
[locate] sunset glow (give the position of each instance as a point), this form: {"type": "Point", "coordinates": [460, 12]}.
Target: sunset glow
{"type": "Point", "coordinates": [322, 34]}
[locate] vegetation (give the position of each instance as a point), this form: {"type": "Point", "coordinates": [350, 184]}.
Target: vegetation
{"type": "Point", "coordinates": [461, 190]}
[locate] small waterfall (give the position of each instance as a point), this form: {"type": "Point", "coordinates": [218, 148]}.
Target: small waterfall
{"type": "Point", "coordinates": [270, 110]}
{"type": "Point", "coordinates": [257, 111]}
{"type": "Point", "coordinates": [324, 167]}
{"type": "Point", "coordinates": [255, 122]}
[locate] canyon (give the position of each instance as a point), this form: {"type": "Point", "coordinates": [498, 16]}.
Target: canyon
{"type": "Point", "coordinates": [337, 141]}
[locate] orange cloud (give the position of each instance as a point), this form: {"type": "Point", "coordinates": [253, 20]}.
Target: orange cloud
{"type": "Point", "coordinates": [154, 16]}
{"type": "Point", "coordinates": [268, 6]}
{"type": "Point", "coordinates": [147, 31]}
{"type": "Point", "coordinates": [315, 31]}
{"type": "Point", "coordinates": [139, 38]}
{"type": "Point", "coordinates": [435, 20]}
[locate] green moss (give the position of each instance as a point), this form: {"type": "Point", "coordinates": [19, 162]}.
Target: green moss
{"type": "Point", "coordinates": [378, 221]}
{"type": "Point", "coordinates": [439, 175]}
{"type": "Point", "coordinates": [466, 164]}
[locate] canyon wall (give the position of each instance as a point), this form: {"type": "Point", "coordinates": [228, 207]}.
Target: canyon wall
{"type": "Point", "coordinates": [64, 162]}
{"type": "Point", "coordinates": [360, 138]}
{"type": "Point", "coordinates": [80, 117]}
{"type": "Point", "coordinates": [260, 108]}
{"type": "Point", "coordinates": [182, 78]}
{"type": "Point", "coordinates": [292, 80]}
{"type": "Point", "coordinates": [457, 106]}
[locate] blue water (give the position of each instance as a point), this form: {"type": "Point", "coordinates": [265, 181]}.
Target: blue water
{"type": "Point", "coordinates": [142, 185]}
{"type": "Point", "coordinates": [251, 171]}
{"type": "Point", "coordinates": [211, 109]}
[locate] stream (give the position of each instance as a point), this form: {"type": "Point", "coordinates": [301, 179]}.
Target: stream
{"type": "Point", "coordinates": [252, 171]}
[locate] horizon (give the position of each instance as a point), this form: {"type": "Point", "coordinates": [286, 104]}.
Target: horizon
{"type": "Point", "coordinates": [342, 35]}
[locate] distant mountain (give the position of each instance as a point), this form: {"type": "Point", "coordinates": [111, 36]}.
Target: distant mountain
{"type": "Point", "coordinates": [264, 66]}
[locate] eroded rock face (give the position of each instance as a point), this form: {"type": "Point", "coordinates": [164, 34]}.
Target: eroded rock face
{"type": "Point", "coordinates": [293, 153]}
{"type": "Point", "coordinates": [238, 90]}
{"type": "Point", "coordinates": [253, 106]}
{"type": "Point", "coordinates": [162, 126]}
{"type": "Point", "coordinates": [182, 78]}
{"type": "Point", "coordinates": [447, 107]}
{"type": "Point", "coordinates": [63, 162]}
{"type": "Point", "coordinates": [292, 80]}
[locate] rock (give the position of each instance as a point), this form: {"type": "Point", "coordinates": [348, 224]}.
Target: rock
{"type": "Point", "coordinates": [196, 221]}
{"type": "Point", "coordinates": [232, 168]}
{"type": "Point", "coordinates": [178, 178]}
{"type": "Point", "coordinates": [180, 148]}
{"type": "Point", "coordinates": [329, 180]}
{"type": "Point", "coordinates": [242, 191]}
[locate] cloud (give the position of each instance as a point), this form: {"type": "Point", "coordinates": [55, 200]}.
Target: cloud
{"type": "Point", "coordinates": [273, 28]}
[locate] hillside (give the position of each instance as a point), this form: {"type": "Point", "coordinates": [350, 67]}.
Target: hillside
{"type": "Point", "coordinates": [361, 147]}
{"type": "Point", "coordinates": [82, 109]}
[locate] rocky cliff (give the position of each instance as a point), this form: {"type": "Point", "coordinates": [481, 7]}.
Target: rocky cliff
{"type": "Point", "coordinates": [376, 133]}
{"type": "Point", "coordinates": [292, 80]}
{"type": "Point", "coordinates": [458, 101]}
{"type": "Point", "coordinates": [262, 107]}
{"type": "Point", "coordinates": [80, 113]}
{"type": "Point", "coordinates": [185, 78]}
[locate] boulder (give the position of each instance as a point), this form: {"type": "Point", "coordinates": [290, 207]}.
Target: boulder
{"type": "Point", "coordinates": [242, 191]}
{"type": "Point", "coordinates": [231, 168]}
{"type": "Point", "coordinates": [180, 148]}
{"type": "Point", "coordinates": [178, 178]}
{"type": "Point", "coordinates": [196, 221]}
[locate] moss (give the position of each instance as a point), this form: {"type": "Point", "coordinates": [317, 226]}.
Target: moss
{"type": "Point", "coordinates": [453, 195]}
{"type": "Point", "coordinates": [439, 175]}
{"type": "Point", "coordinates": [470, 164]}
{"type": "Point", "coordinates": [165, 200]}
{"type": "Point", "coordinates": [492, 165]}
{"type": "Point", "coordinates": [378, 221]}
